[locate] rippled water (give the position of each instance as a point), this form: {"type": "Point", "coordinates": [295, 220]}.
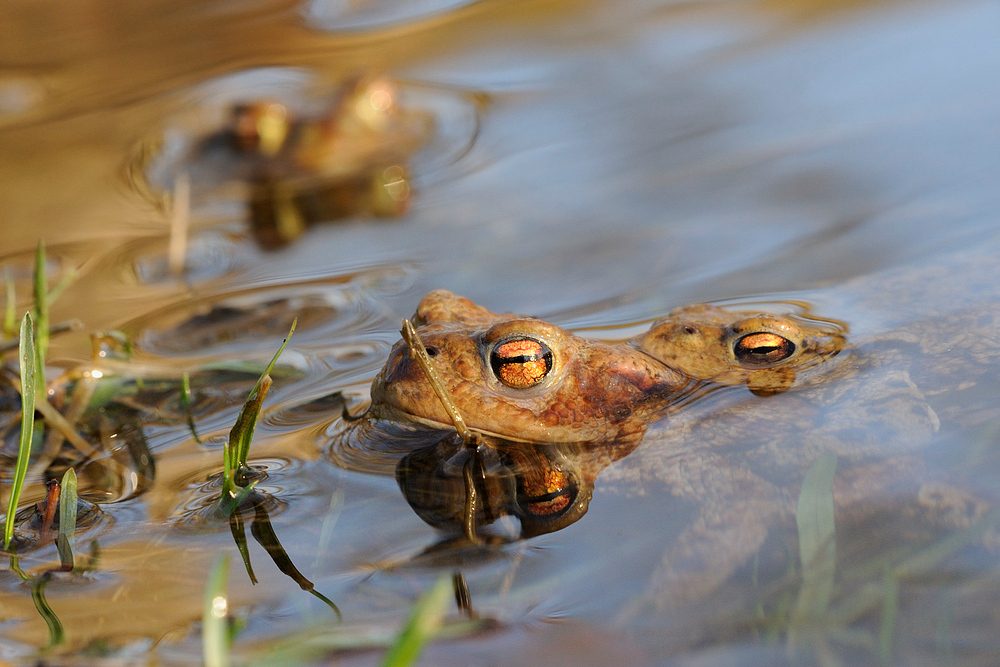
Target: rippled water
{"type": "Point", "coordinates": [593, 163]}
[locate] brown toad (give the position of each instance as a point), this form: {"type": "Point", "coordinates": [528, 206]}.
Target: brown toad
{"type": "Point", "coordinates": [558, 408]}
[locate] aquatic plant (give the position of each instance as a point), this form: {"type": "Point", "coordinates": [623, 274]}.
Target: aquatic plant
{"type": "Point", "coordinates": [65, 542]}
{"type": "Point", "coordinates": [237, 448]}
{"type": "Point", "coordinates": [28, 357]}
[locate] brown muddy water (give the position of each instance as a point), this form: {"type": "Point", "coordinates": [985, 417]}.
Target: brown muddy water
{"type": "Point", "coordinates": [596, 164]}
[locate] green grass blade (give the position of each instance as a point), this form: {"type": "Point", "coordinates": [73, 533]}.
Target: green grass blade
{"type": "Point", "coordinates": [422, 625]}
{"type": "Point", "coordinates": [237, 448]}
{"type": "Point", "coordinates": [817, 545]}
{"type": "Point", "coordinates": [41, 309]}
{"type": "Point", "coordinates": [215, 615]}
{"type": "Point", "coordinates": [56, 634]}
{"type": "Point", "coordinates": [65, 543]}
{"type": "Point", "coordinates": [241, 434]}
{"type": "Point", "coordinates": [27, 355]}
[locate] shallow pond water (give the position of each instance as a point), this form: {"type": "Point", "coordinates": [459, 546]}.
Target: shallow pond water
{"type": "Point", "coordinates": [596, 164]}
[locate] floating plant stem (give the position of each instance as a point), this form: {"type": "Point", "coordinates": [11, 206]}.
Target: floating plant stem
{"type": "Point", "coordinates": [215, 613]}
{"type": "Point", "coordinates": [67, 520]}
{"type": "Point", "coordinates": [471, 501]}
{"type": "Point", "coordinates": [419, 354]}
{"type": "Point", "coordinates": [471, 438]}
{"type": "Point", "coordinates": [241, 434]}
{"type": "Point", "coordinates": [422, 626]}
{"type": "Point", "coordinates": [27, 355]}
{"type": "Point", "coordinates": [814, 518]}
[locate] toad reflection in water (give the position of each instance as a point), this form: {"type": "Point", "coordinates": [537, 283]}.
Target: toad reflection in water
{"type": "Point", "coordinates": [554, 409]}
{"type": "Point", "coordinates": [351, 159]}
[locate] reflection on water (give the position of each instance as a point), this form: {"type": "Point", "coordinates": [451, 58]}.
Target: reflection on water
{"type": "Point", "coordinates": [597, 165]}
{"type": "Point", "coordinates": [543, 486]}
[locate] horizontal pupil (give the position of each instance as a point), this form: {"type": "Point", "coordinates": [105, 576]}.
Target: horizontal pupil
{"type": "Point", "coordinates": [546, 497]}
{"type": "Point", "coordinates": [521, 363]}
{"type": "Point", "coordinates": [522, 358]}
{"type": "Point", "coordinates": [763, 348]}
{"type": "Point", "coordinates": [550, 506]}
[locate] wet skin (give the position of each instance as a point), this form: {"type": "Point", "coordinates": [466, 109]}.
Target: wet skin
{"type": "Point", "coordinates": [523, 379]}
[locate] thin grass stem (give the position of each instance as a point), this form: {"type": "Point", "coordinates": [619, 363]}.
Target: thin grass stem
{"type": "Point", "coordinates": [419, 354]}
{"type": "Point", "coordinates": [27, 355]}
{"type": "Point", "coordinates": [65, 543]}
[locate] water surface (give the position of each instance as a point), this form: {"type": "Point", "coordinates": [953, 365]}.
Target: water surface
{"type": "Point", "coordinates": [595, 164]}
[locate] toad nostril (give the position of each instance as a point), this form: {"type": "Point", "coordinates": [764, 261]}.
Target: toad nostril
{"type": "Point", "coordinates": [432, 352]}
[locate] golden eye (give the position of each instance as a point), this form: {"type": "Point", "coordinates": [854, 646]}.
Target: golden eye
{"type": "Point", "coordinates": [521, 363]}
{"type": "Point", "coordinates": [760, 349]}
{"type": "Point", "coordinates": [549, 495]}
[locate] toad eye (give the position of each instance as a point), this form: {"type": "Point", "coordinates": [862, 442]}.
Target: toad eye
{"type": "Point", "coordinates": [521, 363]}
{"type": "Point", "coordinates": [548, 497]}
{"type": "Point", "coordinates": [758, 349]}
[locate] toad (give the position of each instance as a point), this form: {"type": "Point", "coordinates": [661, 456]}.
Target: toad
{"type": "Point", "coordinates": [559, 408]}
{"type": "Point", "coordinates": [521, 379]}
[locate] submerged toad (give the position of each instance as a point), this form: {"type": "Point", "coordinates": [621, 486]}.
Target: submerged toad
{"type": "Point", "coordinates": [765, 351]}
